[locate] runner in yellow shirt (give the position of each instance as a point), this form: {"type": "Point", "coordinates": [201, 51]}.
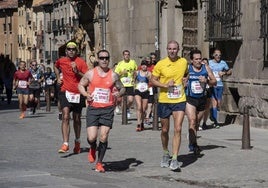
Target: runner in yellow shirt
{"type": "Point", "coordinates": [169, 75]}
{"type": "Point", "coordinates": [126, 69]}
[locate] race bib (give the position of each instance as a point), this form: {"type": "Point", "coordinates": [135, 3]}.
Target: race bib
{"type": "Point", "coordinates": [217, 76]}
{"type": "Point", "coordinates": [174, 92]}
{"type": "Point", "coordinates": [49, 81]}
{"type": "Point", "coordinates": [151, 91]}
{"type": "Point", "coordinates": [101, 95]}
{"type": "Point", "coordinates": [196, 87]}
{"type": "Point", "coordinates": [142, 86]}
{"type": "Point", "coordinates": [22, 84]}
{"type": "Point", "coordinates": [126, 80]}
{"type": "Point", "coordinates": [72, 97]}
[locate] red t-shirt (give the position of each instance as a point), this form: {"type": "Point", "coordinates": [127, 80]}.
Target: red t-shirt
{"type": "Point", "coordinates": [23, 78]}
{"type": "Point", "coordinates": [70, 79]}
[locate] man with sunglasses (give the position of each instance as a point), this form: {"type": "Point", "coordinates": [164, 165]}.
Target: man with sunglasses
{"type": "Point", "coordinates": [101, 97]}
{"type": "Point", "coordinates": [72, 68]}
{"type": "Point", "coordinates": [35, 86]}
{"type": "Point", "coordinates": [219, 68]}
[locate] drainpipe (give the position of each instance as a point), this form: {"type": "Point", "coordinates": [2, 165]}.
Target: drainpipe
{"type": "Point", "coordinates": [157, 30]}
{"type": "Point", "coordinates": [103, 16]}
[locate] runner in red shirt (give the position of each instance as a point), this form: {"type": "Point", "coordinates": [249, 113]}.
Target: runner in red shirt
{"type": "Point", "coordinates": [72, 68]}
{"type": "Point", "coordinates": [22, 78]}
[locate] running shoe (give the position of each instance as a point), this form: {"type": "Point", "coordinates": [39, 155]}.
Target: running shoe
{"type": "Point", "coordinates": [91, 155]}
{"type": "Point", "coordinates": [60, 116]}
{"type": "Point", "coordinates": [197, 150]}
{"type": "Point", "coordinates": [165, 161]}
{"type": "Point", "coordinates": [138, 129]}
{"type": "Point", "coordinates": [191, 147]}
{"type": "Point", "coordinates": [216, 125]}
{"type": "Point", "coordinates": [128, 113]}
{"type": "Point", "coordinates": [64, 149]}
{"type": "Point", "coordinates": [204, 126]}
{"type": "Point", "coordinates": [142, 126]}
{"type": "Point", "coordinates": [174, 165]}
{"type": "Point", "coordinates": [99, 167]}
{"type": "Point", "coordinates": [77, 148]}
{"type": "Point", "coordinates": [22, 115]}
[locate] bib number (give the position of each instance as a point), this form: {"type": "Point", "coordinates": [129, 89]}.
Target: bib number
{"type": "Point", "coordinates": [174, 92]}
{"type": "Point", "coordinates": [22, 84]}
{"type": "Point", "coordinates": [142, 86]}
{"type": "Point", "coordinates": [72, 97]}
{"type": "Point", "coordinates": [49, 81]}
{"type": "Point", "coordinates": [126, 80]}
{"type": "Point", "coordinates": [196, 87]}
{"type": "Point", "coordinates": [101, 95]}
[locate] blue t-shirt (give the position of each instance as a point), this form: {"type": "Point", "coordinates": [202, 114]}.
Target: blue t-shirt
{"type": "Point", "coordinates": [216, 67]}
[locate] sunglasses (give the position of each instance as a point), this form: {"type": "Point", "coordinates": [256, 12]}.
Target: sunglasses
{"type": "Point", "coordinates": [71, 49]}
{"type": "Point", "coordinates": [104, 58]}
{"type": "Point", "coordinates": [219, 55]}
{"type": "Point", "coordinates": [33, 64]}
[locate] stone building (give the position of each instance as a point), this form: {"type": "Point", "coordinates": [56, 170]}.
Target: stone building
{"type": "Point", "coordinates": [8, 29]}
{"type": "Point", "coordinates": [239, 28]}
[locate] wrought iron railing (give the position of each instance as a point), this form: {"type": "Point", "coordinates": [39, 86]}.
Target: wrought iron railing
{"type": "Point", "coordinates": [223, 20]}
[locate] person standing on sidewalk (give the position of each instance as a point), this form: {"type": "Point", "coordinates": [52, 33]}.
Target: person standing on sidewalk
{"type": "Point", "coordinates": [72, 68]}
{"type": "Point", "coordinates": [199, 76]}
{"type": "Point", "coordinates": [101, 98]}
{"type": "Point", "coordinates": [21, 81]}
{"type": "Point", "coordinates": [126, 69]}
{"type": "Point", "coordinates": [169, 75]}
{"type": "Point", "coordinates": [219, 68]}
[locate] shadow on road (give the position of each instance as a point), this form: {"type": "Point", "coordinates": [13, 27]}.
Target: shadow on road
{"type": "Point", "coordinates": [124, 165]}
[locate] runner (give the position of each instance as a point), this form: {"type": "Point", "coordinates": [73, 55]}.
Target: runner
{"type": "Point", "coordinates": [101, 104]}
{"type": "Point", "coordinates": [22, 79]}
{"type": "Point", "coordinates": [73, 68]}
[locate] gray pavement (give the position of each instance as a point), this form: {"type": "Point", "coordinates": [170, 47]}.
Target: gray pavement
{"type": "Point", "coordinates": [29, 158]}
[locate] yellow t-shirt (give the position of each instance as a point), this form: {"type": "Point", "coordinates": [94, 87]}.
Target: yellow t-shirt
{"type": "Point", "coordinates": [167, 70]}
{"type": "Point", "coordinates": [131, 67]}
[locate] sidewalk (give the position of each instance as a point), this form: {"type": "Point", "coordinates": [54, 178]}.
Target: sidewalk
{"type": "Point", "coordinates": [29, 158]}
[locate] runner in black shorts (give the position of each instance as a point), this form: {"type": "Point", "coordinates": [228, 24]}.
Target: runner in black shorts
{"type": "Point", "coordinates": [199, 76]}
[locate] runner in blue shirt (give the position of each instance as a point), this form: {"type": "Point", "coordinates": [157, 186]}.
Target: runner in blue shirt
{"type": "Point", "coordinates": [219, 68]}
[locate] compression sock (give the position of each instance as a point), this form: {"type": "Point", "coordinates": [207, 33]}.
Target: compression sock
{"type": "Point", "coordinates": [214, 114]}
{"type": "Point", "coordinates": [166, 152]}
{"type": "Point", "coordinates": [93, 145]}
{"type": "Point", "coordinates": [101, 150]}
{"type": "Point", "coordinates": [174, 157]}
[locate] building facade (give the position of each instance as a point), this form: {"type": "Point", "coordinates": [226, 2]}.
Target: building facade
{"type": "Point", "coordinates": [8, 29]}
{"type": "Point", "coordinates": [239, 28]}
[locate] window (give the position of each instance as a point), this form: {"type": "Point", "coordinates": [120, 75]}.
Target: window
{"type": "Point", "coordinates": [264, 30]}
{"type": "Point", "coordinates": [223, 20]}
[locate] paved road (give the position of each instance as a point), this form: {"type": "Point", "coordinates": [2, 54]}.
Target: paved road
{"type": "Point", "coordinates": [29, 158]}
